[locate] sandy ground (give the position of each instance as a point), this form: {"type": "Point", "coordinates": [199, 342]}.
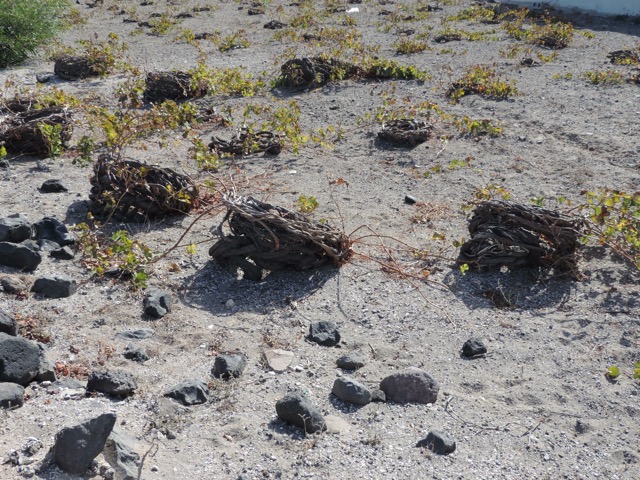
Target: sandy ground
{"type": "Point", "coordinates": [537, 406]}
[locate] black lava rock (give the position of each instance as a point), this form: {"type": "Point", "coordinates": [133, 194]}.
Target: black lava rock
{"type": "Point", "coordinates": [139, 334]}
{"type": "Point", "coordinates": [50, 228]}
{"type": "Point", "coordinates": [11, 395]}
{"type": "Point", "coordinates": [135, 353]}
{"type": "Point", "coordinates": [438, 442]}
{"type": "Point", "coordinates": [19, 256]}
{"type": "Point", "coordinates": [55, 287]}
{"type": "Point", "coordinates": [157, 303]}
{"type": "Point", "coordinates": [296, 409]}
{"type": "Point", "coordinates": [8, 324]}
{"type": "Point", "coordinates": [350, 361]}
{"type": "Point", "coordinates": [115, 382]}
{"type": "Point", "coordinates": [19, 359]}
{"type": "Point", "coordinates": [62, 253]}
{"type": "Point", "coordinates": [229, 365]}
{"type": "Point", "coordinates": [324, 333]}
{"type": "Point", "coordinates": [53, 185]}
{"type": "Point", "coordinates": [473, 347]}
{"type": "Point", "coordinates": [189, 392]}
{"type": "Point", "coordinates": [76, 447]}
{"type": "Point", "coordinates": [15, 228]}
{"type": "Point", "coordinates": [351, 391]}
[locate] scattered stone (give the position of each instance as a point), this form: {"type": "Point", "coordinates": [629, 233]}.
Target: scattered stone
{"type": "Point", "coordinates": [19, 359]}
{"type": "Point", "coordinates": [55, 286]}
{"type": "Point", "coordinates": [336, 425]}
{"type": "Point", "coordinates": [229, 365]}
{"type": "Point", "coordinates": [8, 324]}
{"type": "Point", "coordinates": [44, 77]}
{"type": "Point", "coordinates": [116, 382]}
{"type": "Point", "coordinates": [12, 284]}
{"type": "Point", "coordinates": [53, 185]}
{"type": "Point", "coordinates": [67, 384]}
{"type": "Point", "coordinates": [350, 361]}
{"type": "Point", "coordinates": [278, 359]}
{"type": "Point", "coordinates": [135, 353]}
{"type": "Point", "coordinates": [11, 395]}
{"type": "Point", "coordinates": [70, 67]}
{"type": "Point", "coordinates": [411, 386]}
{"type": "Point", "coordinates": [438, 442]}
{"type": "Point", "coordinates": [161, 86]}
{"type": "Point", "coordinates": [409, 200]}
{"type": "Point", "coordinates": [157, 303]}
{"type": "Point", "coordinates": [15, 228]}
{"type": "Point", "coordinates": [324, 333]}
{"type": "Point", "coordinates": [77, 446]}
{"type": "Point", "coordinates": [47, 245]}
{"type": "Point", "coordinates": [62, 253]}
{"type": "Point", "coordinates": [378, 395]}
{"type": "Point", "coordinates": [50, 228]}
{"type": "Point", "coordinates": [351, 391]}
{"type": "Point", "coordinates": [46, 369]}
{"type": "Point", "coordinates": [296, 409]}
{"type": "Point", "coordinates": [189, 392]}
{"type": "Point", "coordinates": [274, 25]}
{"type": "Point", "coordinates": [474, 347]}
{"type": "Point", "coordinates": [121, 454]}
{"type": "Point", "coordinates": [19, 256]}
{"type": "Point", "coordinates": [139, 334]}
{"type": "Point", "coordinates": [582, 427]}
{"type": "Point", "coordinates": [4, 164]}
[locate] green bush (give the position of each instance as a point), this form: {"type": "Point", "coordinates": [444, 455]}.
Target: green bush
{"type": "Point", "coordinates": [25, 25]}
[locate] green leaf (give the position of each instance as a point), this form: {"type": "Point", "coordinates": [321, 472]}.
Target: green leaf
{"type": "Point", "coordinates": [613, 372]}
{"type": "Point", "coordinates": [464, 268]}
{"type": "Point", "coordinates": [191, 249]}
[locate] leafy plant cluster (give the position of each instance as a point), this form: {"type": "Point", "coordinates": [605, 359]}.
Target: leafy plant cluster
{"type": "Point", "coordinates": [25, 25]}
{"type": "Point", "coordinates": [483, 81]}
{"type": "Point", "coordinates": [613, 219]}
{"type": "Point", "coordinates": [604, 77]}
{"type": "Point", "coordinates": [117, 255]}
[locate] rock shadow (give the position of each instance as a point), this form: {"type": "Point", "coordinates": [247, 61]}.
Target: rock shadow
{"type": "Point", "coordinates": [211, 287]}
{"type": "Point", "coordinates": [517, 289]}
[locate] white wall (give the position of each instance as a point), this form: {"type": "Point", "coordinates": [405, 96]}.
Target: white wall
{"type": "Point", "coordinates": [607, 7]}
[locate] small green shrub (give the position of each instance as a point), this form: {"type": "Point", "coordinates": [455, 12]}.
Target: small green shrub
{"type": "Point", "coordinates": [25, 25]}
{"type": "Point", "coordinates": [603, 77]}
{"type": "Point", "coordinates": [483, 81]}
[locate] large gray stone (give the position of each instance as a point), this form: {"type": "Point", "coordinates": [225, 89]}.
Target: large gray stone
{"type": "Point", "coordinates": [116, 382]}
{"type": "Point", "coordinates": [120, 452]}
{"type": "Point", "coordinates": [60, 286]}
{"type": "Point", "coordinates": [11, 395]}
{"type": "Point", "coordinates": [189, 392]}
{"type": "Point", "coordinates": [297, 410]}
{"type": "Point", "coordinates": [351, 391]}
{"type": "Point", "coordinates": [19, 359]}
{"type": "Point", "coordinates": [76, 447]}
{"type": "Point", "coordinates": [8, 324]}
{"type": "Point", "coordinates": [157, 303]}
{"type": "Point", "coordinates": [350, 361]}
{"type": "Point", "coordinates": [138, 334]}
{"type": "Point", "coordinates": [19, 256]}
{"type": "Point", "coordinates": [135, 353]}
{"type": "Point", "coordinates": [411, 386]}
{"type": "Point", "coordinates": [15, 228]}
{"type": "Point", "coordinates": [11, 284]}
{"type": "Point", "coordinates": [53, 229]}
{"type": "Point", "coordinates": [229, 365]}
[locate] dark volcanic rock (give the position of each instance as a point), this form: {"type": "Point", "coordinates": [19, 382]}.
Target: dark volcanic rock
{"type": "Point", "coordinates": [12, 284]}
{"type": "Point", "coordinates": [411, 386]}
{"type": "Point", "coordinates": [135, 353]}
{"type": "Point", "coordinates": [50, 228]}
{"type": "Point", "coordinates": [53, 185]}
{"type": "Point", "coordinates": [75, 447]}
{"type": "Point", "coordinates": [157, 303]}
{"type": "Point", "coordinates": [19, 256]}
{"type": "Point", "coordinates": [350, 361]}
{"type": "Point", "coordinates": [116, 382]}
{"type": "Point", "coordinates": [69, 67]}
{"type": "Point", "coordinates": [324, 333]}
{"type": "Point", "coordinates": [55, 287]}
{"type": "Point", "coordinates": [8, 324]}
{"type": "Point", "coordinates": [11, 395]}
{"type": "Point", "coordinates": [120, 452]}
{"type": "Point", "coordinates": [438, 442]}
{"type": "Point", "coordinates": [473, 348]}
{"type": "Point", "coordinates": [139, 334]}
{"type": "Point", "coordinates": [351, 391]}
{"type": "Point", "coordinates": [229, 365]}
{"type": "Point", "coordinates": [19, 359]}
{"type": "Point", "coordinates": [15, 228]}
{"type": "Point", "coordinates": [296, 409]}
{"type": "Point", "coordinates": [189, 392]}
